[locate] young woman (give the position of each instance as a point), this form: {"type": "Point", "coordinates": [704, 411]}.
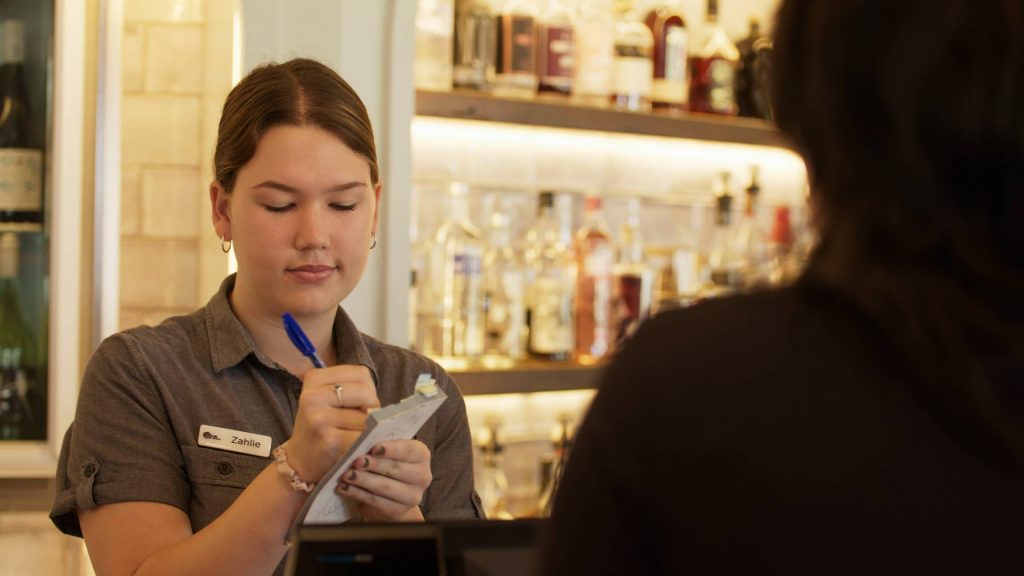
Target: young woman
{"type": "Point", "coordinates": [147, 474]}
{"type": "Point", "coordinates": [870, 418]}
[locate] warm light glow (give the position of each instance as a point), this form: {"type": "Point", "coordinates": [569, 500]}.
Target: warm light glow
{"type": "Point", "coordinates": [525, 417]}
{"type": "Point", "coordinates": [528, 157]}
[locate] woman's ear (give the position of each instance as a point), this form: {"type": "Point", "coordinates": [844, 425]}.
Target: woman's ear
{"type": "Point", "coordinates": [220, 208]}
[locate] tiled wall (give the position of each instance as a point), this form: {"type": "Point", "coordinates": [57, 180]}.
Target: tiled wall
{"type": "Point", "coordinates": [170, 48]}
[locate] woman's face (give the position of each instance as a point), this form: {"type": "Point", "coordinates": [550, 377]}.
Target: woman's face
{"type": "Point", "coordinates": [301, 218]}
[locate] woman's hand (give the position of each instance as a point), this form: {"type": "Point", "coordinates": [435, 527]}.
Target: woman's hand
{"type": "Point", "coordinates": [324, 430]}
{"type": "Point", "coordinates": [389, 481]}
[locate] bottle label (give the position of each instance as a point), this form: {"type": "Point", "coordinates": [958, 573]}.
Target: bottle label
{"type": "Point", "coordinates": [721, 92]}
{"type": "Point", "coordinates": [594, 52]}
{"type": "Point", "coordinates": [517, 45]}
{"type": "Point", "coordinates": [671, 87]}
{"type": "Point", "coordinates": [632, 76]}
{"type": "Point", "coordinates": [21, 175]}
{"type": "Point", "coordinates": [559, 59]}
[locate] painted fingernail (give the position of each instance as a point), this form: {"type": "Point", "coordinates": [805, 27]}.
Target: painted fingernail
{"type": "Point", "coordinates": [378, 451]}
{"type": "Point", "coordinates": [364, 462]}
{"type": "Point", "coordinates": [351, 475]}
{"type": "Point", "coordinates": [343, 487]}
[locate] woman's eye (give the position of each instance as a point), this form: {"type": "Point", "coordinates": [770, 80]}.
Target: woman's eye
{"type": "Point", "coordinates": [343, 207]}
{"type": "Point", "coordinates": [274, 208]}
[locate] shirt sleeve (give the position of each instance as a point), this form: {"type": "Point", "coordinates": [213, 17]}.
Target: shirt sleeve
{"type": "Point", "coordinates": [121, 446]}
{"type": "Point", "coordinates": [451, 495]}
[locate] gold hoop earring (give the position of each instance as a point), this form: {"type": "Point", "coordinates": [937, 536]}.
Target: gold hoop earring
{"type": "Point", "coordinates": [225, 246]}
{"type": "Point", "coordinates": [373, 241]}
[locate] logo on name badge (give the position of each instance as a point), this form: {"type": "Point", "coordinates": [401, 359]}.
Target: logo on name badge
{"type": "Point", "coordinates": [234, 440]}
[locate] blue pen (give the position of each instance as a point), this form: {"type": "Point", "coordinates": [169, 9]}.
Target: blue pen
{"type": "Point", "coordinates": [301, 341]}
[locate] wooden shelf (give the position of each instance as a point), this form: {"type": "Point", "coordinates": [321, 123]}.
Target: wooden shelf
{"type": "Point", "coordinates": [470, 105]}
{"type": "Point", "coordinates": [527, 377]}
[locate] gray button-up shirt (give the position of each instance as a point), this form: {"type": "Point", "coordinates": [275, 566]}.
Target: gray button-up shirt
{"type": "Point", "coordinates": [147, 390]}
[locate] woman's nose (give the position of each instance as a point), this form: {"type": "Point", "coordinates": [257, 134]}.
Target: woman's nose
{"type": "Point", "coordinates": [313, 232]}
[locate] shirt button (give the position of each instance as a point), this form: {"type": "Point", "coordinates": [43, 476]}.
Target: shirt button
{"type": "Point", "coordinates": [88, 470]}
{"type": "Point", "coordinates": [225, 468]}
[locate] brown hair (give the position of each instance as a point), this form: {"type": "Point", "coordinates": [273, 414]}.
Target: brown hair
{"type": "Point", "coordinates": [298, 92]}
{"type": "Point", "coordinates": [910, 115]}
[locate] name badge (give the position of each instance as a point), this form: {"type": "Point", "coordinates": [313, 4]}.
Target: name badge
{"type": "Point", "coordinates": [234, 441]}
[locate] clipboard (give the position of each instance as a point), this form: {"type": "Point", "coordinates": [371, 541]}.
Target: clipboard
{"type": "Point", "coordinates": [398, 421]}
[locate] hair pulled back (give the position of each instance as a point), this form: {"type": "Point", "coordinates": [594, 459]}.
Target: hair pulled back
{"type": "Point", "coordinates": [299, 92]}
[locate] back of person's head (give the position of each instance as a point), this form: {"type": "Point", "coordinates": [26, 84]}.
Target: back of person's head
{"type": "Point", "coordinates": [300, 92]}
{"type": "Point", "coordinates": [910, 114]}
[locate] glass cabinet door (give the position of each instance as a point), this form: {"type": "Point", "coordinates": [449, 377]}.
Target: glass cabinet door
{"type": "Point", "coordinates": [26, 56]}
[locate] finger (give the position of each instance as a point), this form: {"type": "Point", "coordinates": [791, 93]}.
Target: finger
{"type": "Point", "coordinates": [389, 496]}
{"type": "Point", "coordinates": [326, 419]}
{"type": "Point", "coordinates": [414, 474]}
{"type": "Point", "coordinates": [357, 388]}
{"type": "Point", "coordinates": [403, 450]}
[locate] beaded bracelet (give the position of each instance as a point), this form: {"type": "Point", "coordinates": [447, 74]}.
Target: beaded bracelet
{"type": "Point", "coordinates": [297, 483]}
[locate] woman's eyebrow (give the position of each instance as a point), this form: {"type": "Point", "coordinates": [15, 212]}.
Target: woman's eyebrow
{"type": "Point", "coordinates": [274, 185]}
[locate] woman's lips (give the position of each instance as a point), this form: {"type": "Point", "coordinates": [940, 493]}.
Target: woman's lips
{"type": "Point", "coordinates": [311, 273]}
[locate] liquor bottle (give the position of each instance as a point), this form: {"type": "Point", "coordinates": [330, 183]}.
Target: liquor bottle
{"type": "Point", "coordinates": [780, 248]}
{"type": "Point", "coordinates": [552, 272]}
{"type": "Point", "coordinates": [432, 69]}
{"type": "Point", "coordinates": [595, 46]}
{"type": "Point", "coordinates": [713, 70]}
{"type": "Point", "coordinates": [18, 357]}
{"type": "Point", "coordinates": [476, 39]}
{"type": "Point", "coordinates": [632, 280]}
{"type": "Point", "coordinates": [516, 67]}
{"type": "Point", "coordinates": [752, 92]}
{"type": "Point", "coordinates": [21, 160]}
{"type": "Point", "coordinates": [556, 50]}
{"type": "Point", "coordinates": [670, 88]}
{"type": "Point", "coordinates": [504, 294]}
{"type": "Point", "coordinates": [492, 485]}
{"type": "Point", "coordinates": [594, 259]}
{"type": "Point", "coordinates": [725, 260]}
{"type": "Point", "coordinates": [460, 249]}
{"type": "Point", "coordinates": [632, 63]}
{"type": "Point", "coordinates": [553, 465]}
{"type": "Point", "coordinates": [751, 241]}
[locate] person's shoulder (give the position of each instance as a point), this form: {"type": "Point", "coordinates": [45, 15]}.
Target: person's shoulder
{"type": "Point", "coordinates": [170, 336]}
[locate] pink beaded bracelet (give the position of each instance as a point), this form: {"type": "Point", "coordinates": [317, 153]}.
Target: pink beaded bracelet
{"type": "Point", "coordinates": [297, 483]}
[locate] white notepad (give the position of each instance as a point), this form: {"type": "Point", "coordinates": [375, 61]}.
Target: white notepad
{"type": "Point", "coordinates": [398, 421]}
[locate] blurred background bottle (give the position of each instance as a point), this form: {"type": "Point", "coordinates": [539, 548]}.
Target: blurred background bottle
{"type": "Point", "coordinates": [552, 272]}
{"type": "Point", "coordinates": [670, 86]}
{"type": "Point", "coordinates": [516, 66]}
{"type": "Point", "coordinates": [492, 484]}
{"type": "Point", "coordinates": [553, 465]}
{"type": "Point", "coordinates": [713, 69]}
{"type": "Point", "coordinates": [19, 358]}
{"type": "Point", "coordinates": [595, 46]}
{"type": "Point", "coordinates": [632, 279]}
{"type": "Point", "coordinates": [752, 89]}
{"type": "Point", "coordinates": [504, 294]}
{"type": "Point", "coordinates": [725, 259]}
{"type": "Point", "coordinates": [475, 42]}
{"type": "Point", "coordinates": [595, 255]}
{"type": "Point", "coordinates": [632, 63]}
{"type": "Point", "coordinates": [459, 249]}
{"type": "Point", "coordinates": [21, 157]}
{"type": "Point", "coordinates": [556, 50]}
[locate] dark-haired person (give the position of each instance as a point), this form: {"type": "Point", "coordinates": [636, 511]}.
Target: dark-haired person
{"type": "Point", "coordinates": [296, 193]}
{"type": "Point", "coordinates": [868, 419]}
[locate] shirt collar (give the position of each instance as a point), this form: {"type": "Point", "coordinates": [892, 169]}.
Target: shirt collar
{"type": "Point", "coordinates": [230, 342]}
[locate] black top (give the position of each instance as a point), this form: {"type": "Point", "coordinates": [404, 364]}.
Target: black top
{"type": "Point", "coordinates": [774, 433]}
